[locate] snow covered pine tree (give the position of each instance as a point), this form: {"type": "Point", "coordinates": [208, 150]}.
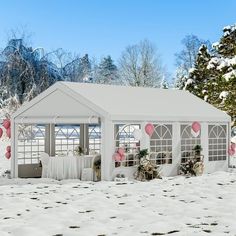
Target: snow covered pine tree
{"type": "Point", "coordinates": [213, 76]}
{"type": "Point", "coordinates": [107, 72]}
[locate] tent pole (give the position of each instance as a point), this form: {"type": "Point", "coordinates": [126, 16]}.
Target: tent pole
{"type": "Point", "coordinates": [176, 147]}
{"type": "Point", "coordinates": [107, 149]}
{"type": "Point", "coordinates": [52, 140]}
{"type": "Point", "coordinates": [14, 157]}
{"type": "Point", "coordinates": [86, 138]}
{"type": "Point", "coordinates": [145, 140]}
{"type": "Point", "coordinates": [47, 139]}
{"type": "Point", "coordinates": [81, 138]}
{"type": "Point", "coordinates": [204, 144]}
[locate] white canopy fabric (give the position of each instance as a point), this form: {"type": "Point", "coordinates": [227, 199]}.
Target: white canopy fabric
{"type": "Point", "coordinates": [119, 103]}
{"type": "Point", "coordinates": [58, 120]}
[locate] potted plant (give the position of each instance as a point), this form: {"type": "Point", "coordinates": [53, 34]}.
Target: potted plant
{"type": "Point", "coordinates": [193, 166]}
{"type": "Point", "coordinates": [142, 153]}
{"type": "Point", "coordinates": [187, 168]}
{"type": "Point", "coordinates": [146, 170]}
{"type": "Point", "coordinates": [197, 149]}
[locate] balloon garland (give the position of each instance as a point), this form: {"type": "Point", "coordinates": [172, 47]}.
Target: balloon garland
{"type": "Point", "coordinates": [119, 155]}
{"type": "Point", "coordinates": [8, 152]}
{"type": "Point", "coordinates": [7, 125]}
{"type": "Point", "coordinates": [8, 132]}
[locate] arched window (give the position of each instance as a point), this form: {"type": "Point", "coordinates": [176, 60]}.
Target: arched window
{"type": "Point", "coordinates": [161, 144]}
{"type": "Point", "coordinates": [67, 139]}
{"type": "Point", "coordinates": [217, 135]}
{"type": "Point", "coordinates": [124, 139]}
{"type": "Point", "coordinates": [188, 142]}
{"type": "Point", "coordinates": [94, 136]}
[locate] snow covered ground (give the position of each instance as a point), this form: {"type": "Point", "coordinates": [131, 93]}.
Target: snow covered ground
{"type": "Point", "coordinates": [181, 206]}
{"type": "Point", "coordinates": [176, 206]}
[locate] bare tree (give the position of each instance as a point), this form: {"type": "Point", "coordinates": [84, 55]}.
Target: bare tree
{"type": "Point", "coordinates": [140, 65]}
{"type": "Point", "coordinates": [186, 58]}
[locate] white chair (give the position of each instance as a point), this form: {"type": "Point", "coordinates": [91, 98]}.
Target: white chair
{"type": "Point", "coordinates": [87, 168]}
{"type": "Point", "coordinates": [44, 158]}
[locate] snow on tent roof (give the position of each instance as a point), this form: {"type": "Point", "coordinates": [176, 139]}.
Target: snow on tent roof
{"type": "Point", "coordinates": [122, 103]}
{"type": "Point", "coordinates": [138, 103]}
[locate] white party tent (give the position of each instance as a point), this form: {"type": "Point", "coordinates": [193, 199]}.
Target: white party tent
{"type": "Point", "coordinates": [105, 116]}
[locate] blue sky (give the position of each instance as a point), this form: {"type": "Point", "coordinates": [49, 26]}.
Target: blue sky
{"type": "Point", "coordinates": [102, 27]}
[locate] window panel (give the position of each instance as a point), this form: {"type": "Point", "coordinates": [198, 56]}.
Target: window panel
{"type": "Point", "coordinates": [161, 153]}
{"type": "Point", "coordinates": [217, 142]}
{"type": "Point", "coordinates": [188, 142]}
{"type": "Point", "coordinates": [67, 139]}
{"type": "Point", "coordinates": [31, 142]}
{"type": "Point", "coordinates": [94, 134]}
{"type": "Point", "coordinates": [124, 139]}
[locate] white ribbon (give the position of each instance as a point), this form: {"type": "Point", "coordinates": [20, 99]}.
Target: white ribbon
{"type": "Point", "coordinates": [90, 118]}
{"type": "Point", "coordinates": [54, 119]}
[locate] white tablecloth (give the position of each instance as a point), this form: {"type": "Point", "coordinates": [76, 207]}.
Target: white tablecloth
{"type": "Point", "coordinates": [68, 167]}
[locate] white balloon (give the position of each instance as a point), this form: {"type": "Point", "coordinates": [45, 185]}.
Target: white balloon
{"type": "Point", "coordinates": [137, 134]}
{"type": "Point", "coordinates": [233, 140]}
{"type": "Point", "coordinates": [195, 134]}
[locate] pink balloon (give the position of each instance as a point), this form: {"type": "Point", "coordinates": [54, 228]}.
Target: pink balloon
{"type": "Point", "coordinates": [8, 148]}
{"type": "Point", "coordinates": [8, 155]}
{"type": "Point", "coordinates": [9, 132]}
{"type": "Point", "coordinates": [121, 151]}
{"type": "Point", "coordinates": [122, 157]}
{"type": "Point", "coordinates": [149, 128]}
{"type": "Point", "coordinates": [233, 146]}
{"type": "Point", "coordinates": [231, 151]}
{"type": "Point", "coordinates": [1, 132]}
{"type": "Point", "coordinates": [196, 126]}
{"type": "Point", "coordinates": [6, 123]}
{"type": "Point", "coordinates": [116, 156]}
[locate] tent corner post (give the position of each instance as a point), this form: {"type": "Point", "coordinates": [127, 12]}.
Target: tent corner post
{"type": "Point", "coordinates": [14, 157]}
{"type": "Point", "coordinates": [107, 132]}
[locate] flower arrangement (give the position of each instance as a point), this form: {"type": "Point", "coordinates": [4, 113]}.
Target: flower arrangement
{"type": "Point", "coordinates": [197, 149]}
{"type": "Point", "coordinates": [146, 169]}
{"type": "Point", "coordinates": [142, 153]}
{"type": "Point", "coordinates": [187, 167]}
{"type": "Point", "coordinates": [79, 151]}
{"type": "Point", "coordinates": [192, 167]}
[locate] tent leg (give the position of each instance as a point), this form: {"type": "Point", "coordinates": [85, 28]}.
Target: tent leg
{"type": "Point", "coordinates": [107, 133]}
{"type": "Point", "coordinates": [204, 144]}
{"type": "Point", "coordinates": [14, 157]}
{"type": "Point", "coordinates": [176, 148]}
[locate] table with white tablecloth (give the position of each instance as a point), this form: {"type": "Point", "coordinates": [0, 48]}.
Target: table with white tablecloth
{"type": "Point", "coordinates": [68, 167]}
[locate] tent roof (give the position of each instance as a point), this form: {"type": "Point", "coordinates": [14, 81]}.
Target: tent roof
{"type": "Point", "coordinates": [130, 103]}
